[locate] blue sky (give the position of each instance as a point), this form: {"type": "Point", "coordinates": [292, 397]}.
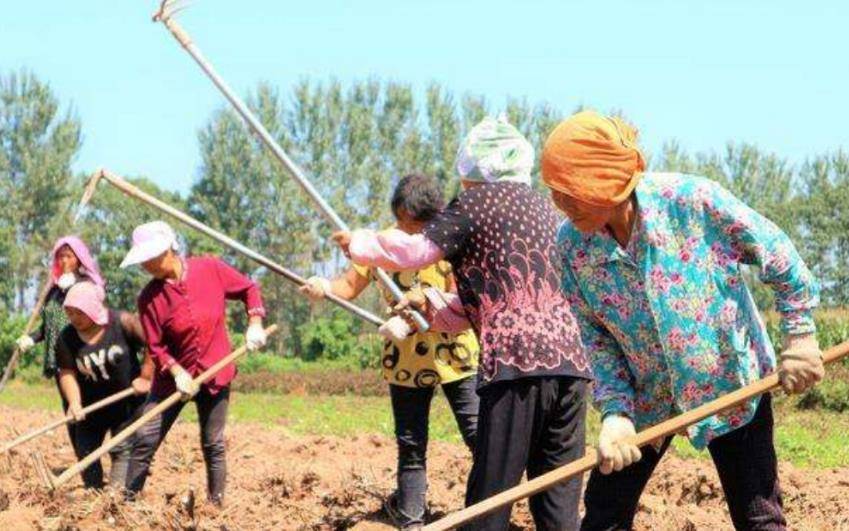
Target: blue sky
{"type": "Point", "coordinates": [775, 73]}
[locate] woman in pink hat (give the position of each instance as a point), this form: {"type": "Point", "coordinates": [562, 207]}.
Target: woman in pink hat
{"type": "Point", "coordinates": [71, 262]}
{"type": "Point", "coordinates": [98, 356]}
{"type": "Point", "coordinates": [182, 312]}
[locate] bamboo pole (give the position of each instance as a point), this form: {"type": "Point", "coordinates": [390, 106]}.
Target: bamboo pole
{"type": "Point", "coordinates": [592, 459]}
{"type": "Point", "coordinates": [202, 378]}
{"type": "Point", "coordinates": [166, 16]}
{"type": "Point", "coordinates": [91, 408]}
{"type": "Point", "coordinates": [136, 193]}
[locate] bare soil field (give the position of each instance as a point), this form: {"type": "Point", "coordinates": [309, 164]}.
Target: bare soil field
{"type": "Point", "coordinates": [278, 481]}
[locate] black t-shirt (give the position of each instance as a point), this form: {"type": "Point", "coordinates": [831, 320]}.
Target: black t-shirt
{"type": "Point", "coordinates": [108, 366]}
{"type": "Point", "coordinates": [501, 240]}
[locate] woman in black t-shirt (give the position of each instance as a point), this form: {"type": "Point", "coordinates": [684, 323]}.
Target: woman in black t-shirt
{"type": "Point", "coordinates": [97, 356]}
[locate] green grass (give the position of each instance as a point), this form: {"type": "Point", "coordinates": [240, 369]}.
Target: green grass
{"type": "Point", "coordinates": [272, 363]}
{"type": "Point", "coordinates": [808, 438]}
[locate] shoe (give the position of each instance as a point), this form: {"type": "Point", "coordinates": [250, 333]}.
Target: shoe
{"type": "Point", "coordinates": [401, 520]}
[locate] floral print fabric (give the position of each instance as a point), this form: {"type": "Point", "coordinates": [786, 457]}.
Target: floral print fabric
{"type": "Point", "coordinates": [668, 321]}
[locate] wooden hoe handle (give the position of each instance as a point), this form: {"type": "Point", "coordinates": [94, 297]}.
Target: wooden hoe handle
{"type": "Point", "coordinates": [591, 458]}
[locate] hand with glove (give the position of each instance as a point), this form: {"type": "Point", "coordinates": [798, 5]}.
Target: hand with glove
{"type": "Point", "coordinates": [800, 364]}
{"type": "Point", "coordinates": [316, 288]}
{"type": "Point", "coordinates": [66, 280]}
{"type": "Point", "coordinates": [615, 453]}
{"type": "Point", "coordinates": [24, 343]}
{"type": "Point", "coordinates": [76, 411]}
{"type": "Point", "coordinates": [255, 336]}
{"type": "Point", "coordinates": [183, 380]}
{"type": "Point", "coordinates": [395, 328]}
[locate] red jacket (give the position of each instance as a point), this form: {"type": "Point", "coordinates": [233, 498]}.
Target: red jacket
{"type": "Point", "coordinates": [185, 321]}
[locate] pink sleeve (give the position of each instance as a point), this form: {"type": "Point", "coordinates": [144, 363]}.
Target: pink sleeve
{"type": "Point", "coordinates": [445, 312]}
{"type": "Point", "coordinates": [393, 250]}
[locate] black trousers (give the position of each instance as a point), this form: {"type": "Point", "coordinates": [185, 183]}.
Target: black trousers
{"type": "Point", "coordinates": [533, 424]}
{"type": "Point", "coordinates": [748, 471]}
{"type": "Point", "coordinates": [411, 409]}
{"type": "Point", "coordinates": [91, 432]}
{"type": "Point", "coordinates": [212, 416]}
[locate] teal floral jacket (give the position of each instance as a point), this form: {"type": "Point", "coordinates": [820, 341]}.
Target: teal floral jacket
{"type": "Point", "coordinates": [668, 322]}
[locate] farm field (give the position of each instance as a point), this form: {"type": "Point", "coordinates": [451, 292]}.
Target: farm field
{"type": "Point", "coordinates": [315, 462]}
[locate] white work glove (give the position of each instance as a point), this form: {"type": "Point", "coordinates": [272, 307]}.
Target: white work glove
{"type": "Point", "coordinates": [316, 288]}
{"type": "Point", "coordinates": [800, 365]}
{"type": "Point", "coordinates": [24, 343]}
{"type": "Point", "coordinates": [66, 280]}
{"type": "Point", "coordinates": [255, 337]}
{"type": "Point", "coordinates": [183, 380]}
{"type": "Point", "coordinates": [395, 329]}
{"type": "Point", "coordinates": [76, 411]}
{"type": "Point", "coordinates": [615, 453]}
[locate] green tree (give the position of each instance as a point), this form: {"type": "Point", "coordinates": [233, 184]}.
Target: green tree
{"type": "Point", "coordinates": [353, 144]}
{"type": "Point", "coordinates": [37, 145]}
{"type": "Point", "coordinates": [824, 224]}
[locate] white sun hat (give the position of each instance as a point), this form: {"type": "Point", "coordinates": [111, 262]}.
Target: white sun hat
{"type": "Point", "coordinates": [149, 241]}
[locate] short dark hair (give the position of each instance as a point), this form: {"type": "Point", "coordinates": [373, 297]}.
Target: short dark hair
{"type": "Point", "coordinates": [419, 195]}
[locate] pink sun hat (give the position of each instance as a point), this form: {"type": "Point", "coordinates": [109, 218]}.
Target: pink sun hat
{"type": "Point", "coordinates": [149, 241]}
{"type": "Point", "coordinates": [88, 298]}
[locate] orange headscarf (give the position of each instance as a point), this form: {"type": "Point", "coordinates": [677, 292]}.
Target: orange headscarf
{"type": "Point", "coordinates": [593, 158]}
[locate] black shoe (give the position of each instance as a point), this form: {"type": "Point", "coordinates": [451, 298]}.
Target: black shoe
{"type": "Point", "coordinates": [401, 520]}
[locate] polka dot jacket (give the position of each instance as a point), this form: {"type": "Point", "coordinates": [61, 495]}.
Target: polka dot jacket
{"type": "Point", "coordinates": [500, 239]}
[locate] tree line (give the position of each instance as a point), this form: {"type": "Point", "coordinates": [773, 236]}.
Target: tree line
{"type": "Point", "coordinates": [353, 142]}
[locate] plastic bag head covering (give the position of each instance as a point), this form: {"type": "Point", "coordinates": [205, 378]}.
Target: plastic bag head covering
{"type": "Point", "coordinates": [495, 151]}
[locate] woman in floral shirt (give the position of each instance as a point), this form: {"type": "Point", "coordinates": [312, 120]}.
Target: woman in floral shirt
{"type": "Point", "coordinates": [654, 270]}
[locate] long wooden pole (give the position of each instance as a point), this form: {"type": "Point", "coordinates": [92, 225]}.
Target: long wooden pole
{"type": "Point", "coordinates": [136, 193]}
{"type": "Point", "coordinates": [591, 459]}
{"type": "Point", "coordinates": [36, 311]}
{"type": "Point", "coordinates": [175, 397]}
{"type": "Point", "coordinates": [91, 408]}
{"type": "Point", "coordinates": [165, 15]}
